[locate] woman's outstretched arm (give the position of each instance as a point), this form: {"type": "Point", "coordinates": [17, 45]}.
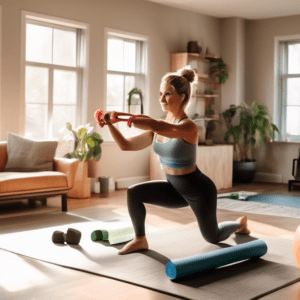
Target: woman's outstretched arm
{"type": "Point", "coordinates": [166, 129]}
{"type": "Point", "coordinates": [134, 143]}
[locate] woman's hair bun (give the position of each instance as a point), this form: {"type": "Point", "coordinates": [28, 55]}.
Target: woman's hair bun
{"type": "Point", "coordinates": [189, 74]}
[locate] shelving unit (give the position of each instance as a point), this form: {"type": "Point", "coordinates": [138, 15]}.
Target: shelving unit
{"type": "Point", "coordinates": [206, 96]}
{"type": "Point", "coordinates": [180, 60]}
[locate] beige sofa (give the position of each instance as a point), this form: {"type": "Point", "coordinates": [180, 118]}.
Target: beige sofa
{"type": "Point", "coordinates": [37, 185]}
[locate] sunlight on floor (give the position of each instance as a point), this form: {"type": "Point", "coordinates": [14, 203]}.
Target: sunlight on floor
{"type": "Point", "coordinates": [270, 230]}
{"type": "Point", "coordinates": [21, 276]}
{"type": "Point", "coordinates": [254, 226]}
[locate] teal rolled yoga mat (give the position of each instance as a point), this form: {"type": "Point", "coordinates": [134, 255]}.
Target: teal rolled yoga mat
{"type": "Point", "coordinates": [189, 265]}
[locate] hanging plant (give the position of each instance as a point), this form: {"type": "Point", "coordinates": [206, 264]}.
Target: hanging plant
{"type": "Point", "coordinates": [135, 91]}
{"type": "Point", "coordinates": [222, 71]}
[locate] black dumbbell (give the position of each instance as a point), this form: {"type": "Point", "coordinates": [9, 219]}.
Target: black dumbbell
{"type": "Point", "coordinates": [72, 236]}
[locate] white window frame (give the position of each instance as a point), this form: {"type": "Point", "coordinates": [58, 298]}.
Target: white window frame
{"type": "Point", "coordinates": [279, 90]}
{"type": "Point", "coordinates": [0, 67]}
{"type": "Point", "coordinates": [34, 18]}
{"type": "Point", "coordinates": [130, 35]}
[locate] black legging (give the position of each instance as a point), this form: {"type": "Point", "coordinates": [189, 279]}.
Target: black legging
{"type": "Point", "coordinates": [194, 189]}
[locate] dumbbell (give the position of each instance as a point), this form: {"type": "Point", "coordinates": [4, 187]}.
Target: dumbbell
{"type": "Point", "coordinates": [72, 236]}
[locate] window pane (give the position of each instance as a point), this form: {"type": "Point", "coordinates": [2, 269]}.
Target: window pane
{"type": "Point", "coordinates": [36, 85]}
{"type": "Point", "coordinates": [64, 48]}
{"type": "Point", "coordinates": [129, 84]}
{"type": "Point", "coordinates": [135, 99]}
{"type": "Point", "coordinates": [61, 115]}
{"type": "Point", "coordinates": [36, 121]}
{"type": "Point", "coordinates": [65, 87]}
{"type": "Point", "coordinates": [38, 43]}
{"type": "Point", "coordinates": [129, 56]}
{"type": "Point", "coordinates": [115, 55]}
{"type": "Point", "coordinates": [115, 90]}
{"type": "Point", "coordinates": [115, 108]}
{"type": "Point", "coordinates": [293, 91]}
{"type": "Point", "coordinates": [293, 120]}
{"type": "Point", "coordinates": [294, 59]}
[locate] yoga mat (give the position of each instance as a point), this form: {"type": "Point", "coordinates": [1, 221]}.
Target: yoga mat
{"type": "Point", "coordinates": [255, 207]}
{"type": "Point", "coordinates": [280, 200]}
{"type": "Point", "coordinates": [287, 201]}
{"type": "Point", "coordinates": [243, 280]}
{"type": "Point", "coordinates": [198, 263]}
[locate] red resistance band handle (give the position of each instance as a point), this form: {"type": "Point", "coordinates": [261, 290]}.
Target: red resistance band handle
{"type": "Point", "coordinates": [99, 113]}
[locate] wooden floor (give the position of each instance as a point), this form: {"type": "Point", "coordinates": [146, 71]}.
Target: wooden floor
{"type": "Point", "coordinates": [25, 278]}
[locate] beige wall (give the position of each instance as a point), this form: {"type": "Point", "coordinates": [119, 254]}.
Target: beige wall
{"type": "Point", "coordinates": [169, 30]}
{"type": "Point", "coordinates": [233, 55]}
{"type": "Point", "coordinates": [276, 157]}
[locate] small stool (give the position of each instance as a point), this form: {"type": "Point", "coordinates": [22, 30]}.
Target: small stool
{"type": "Point", "coordinates": [291, 183]}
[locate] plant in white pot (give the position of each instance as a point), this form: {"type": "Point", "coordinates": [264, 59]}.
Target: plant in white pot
{"type": "Point", "coordinates": [247, 127]}
{"type": "Point", "coordinates": [87, 146]}
{"type": "Point", "coordinates": [135, 91]}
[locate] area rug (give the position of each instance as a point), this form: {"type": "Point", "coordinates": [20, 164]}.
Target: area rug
{"type": "Point", "coordinates": [276, 205]}
{"type": "Point", "coordinates": [248, 279]}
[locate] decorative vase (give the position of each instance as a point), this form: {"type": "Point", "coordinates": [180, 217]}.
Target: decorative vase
{"type": "Point", "coordinates": [82, 184]}
{"type": "Point", "coordinates": [92, 167]}
{"type": "Point", "coordinates": [193, 47]}
{"type": "Point", "coordinates": [244, 171]}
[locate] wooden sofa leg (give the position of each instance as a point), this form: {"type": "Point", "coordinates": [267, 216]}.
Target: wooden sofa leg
{"type": "Point", "coordinates": [31, 202]}
{"type": "Point", "coordinates": [64, 205]}
{"type": "Point", "coordinates": [44, 201]}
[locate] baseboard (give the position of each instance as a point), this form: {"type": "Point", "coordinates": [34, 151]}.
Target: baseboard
{"type": "Point", "coordinates": [268, 177]}
{"type": "Point", "coordinates": [123, 183]}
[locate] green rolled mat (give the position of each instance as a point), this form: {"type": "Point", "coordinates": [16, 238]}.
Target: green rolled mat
{"type": "Point", "coordinates": [99, 235]}
{"type": "Point", "coordinates": [189, 265]}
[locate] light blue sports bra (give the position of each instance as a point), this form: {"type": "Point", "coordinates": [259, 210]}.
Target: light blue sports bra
{"type": "Point", "coordinates": [175, 153]}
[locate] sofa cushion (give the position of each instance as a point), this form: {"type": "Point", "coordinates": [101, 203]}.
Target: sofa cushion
{"type": "Point", "coordinates": [27, 155]}
{"type": "Point", "coordinates": [18, 182]}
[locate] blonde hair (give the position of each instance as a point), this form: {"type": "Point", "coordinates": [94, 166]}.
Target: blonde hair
{"type": "Point", "coordinates": [181, 82]}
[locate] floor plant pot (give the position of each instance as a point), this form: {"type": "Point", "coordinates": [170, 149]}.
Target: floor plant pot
{"type": "Point", "coordinates": [93, 167]}
{"type": "Point", "coordinates": [82, 184]}
{"type": "Point", "coordinates": [244, 172]}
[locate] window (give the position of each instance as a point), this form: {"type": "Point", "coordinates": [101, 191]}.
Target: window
{"type": "Point", "coordinates": [288, 90]}
{"type": "Point", "coordinates": [54, 63]}
{"type": "Point", "coordinates": [126, 62]}
{"type": "Point", "coordinates": [0, 63]}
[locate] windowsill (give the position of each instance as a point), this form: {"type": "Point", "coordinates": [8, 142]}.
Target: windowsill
{"type": "Point", "coordinates": [109, 143]}
{"type": "Point", "coordinates": [286, 142]}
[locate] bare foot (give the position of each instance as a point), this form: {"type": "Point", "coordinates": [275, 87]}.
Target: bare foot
{"type": "Point", "coordinates": [138, 243]}
{"type": "Point", "coordinates": [244, 227]}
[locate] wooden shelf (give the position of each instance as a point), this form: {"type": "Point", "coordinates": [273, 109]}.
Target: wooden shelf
{"type": "Point", "coordinates": [203, 76]}
{"type": "Point", "coordinates": [213, 118]}
{"type": "Point", "coordinates": [206, 96]}
{"type": "Point", "coordinates": [212, 58]}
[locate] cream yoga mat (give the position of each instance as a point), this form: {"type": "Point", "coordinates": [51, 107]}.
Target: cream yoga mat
{"type": "Point", "coordinates": [247, 279]}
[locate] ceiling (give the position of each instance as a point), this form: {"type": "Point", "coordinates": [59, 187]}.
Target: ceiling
{"type": "Point", "coordinates": [246, 9]}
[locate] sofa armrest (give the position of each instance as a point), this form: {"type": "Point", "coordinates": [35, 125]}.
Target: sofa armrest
{"type": "Point", "coordinates": [3, 155]}
{"type": "Point", "coordinates": [68, 166]}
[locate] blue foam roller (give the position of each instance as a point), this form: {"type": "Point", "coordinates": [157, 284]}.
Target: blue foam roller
{"type": "Point", "coordinates": [189, 265]}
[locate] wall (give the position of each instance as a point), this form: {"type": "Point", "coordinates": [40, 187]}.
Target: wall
{"type": "Point", "coordinates": [169, 29]}
{"type": "Point", "coordinates": [277, 157]}
{"type": "Point", "coordinates": [233, 55]}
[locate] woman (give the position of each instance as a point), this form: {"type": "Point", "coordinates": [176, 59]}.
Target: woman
{"type": "Point", "coordinates": [175, 141]}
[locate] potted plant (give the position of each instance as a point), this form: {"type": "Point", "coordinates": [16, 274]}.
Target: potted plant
{"type": "Point", "coordinates": [248, 126]}
{"type": "Point", "coordinates": [87, 146]}
{"type": "Point", "coordinates": [135, 91]}
{"type": "Point", "coordinates": [221, 71]}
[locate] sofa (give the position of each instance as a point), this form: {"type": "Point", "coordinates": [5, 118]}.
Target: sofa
{"type": "Point", "coordinates": [34, 184]}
